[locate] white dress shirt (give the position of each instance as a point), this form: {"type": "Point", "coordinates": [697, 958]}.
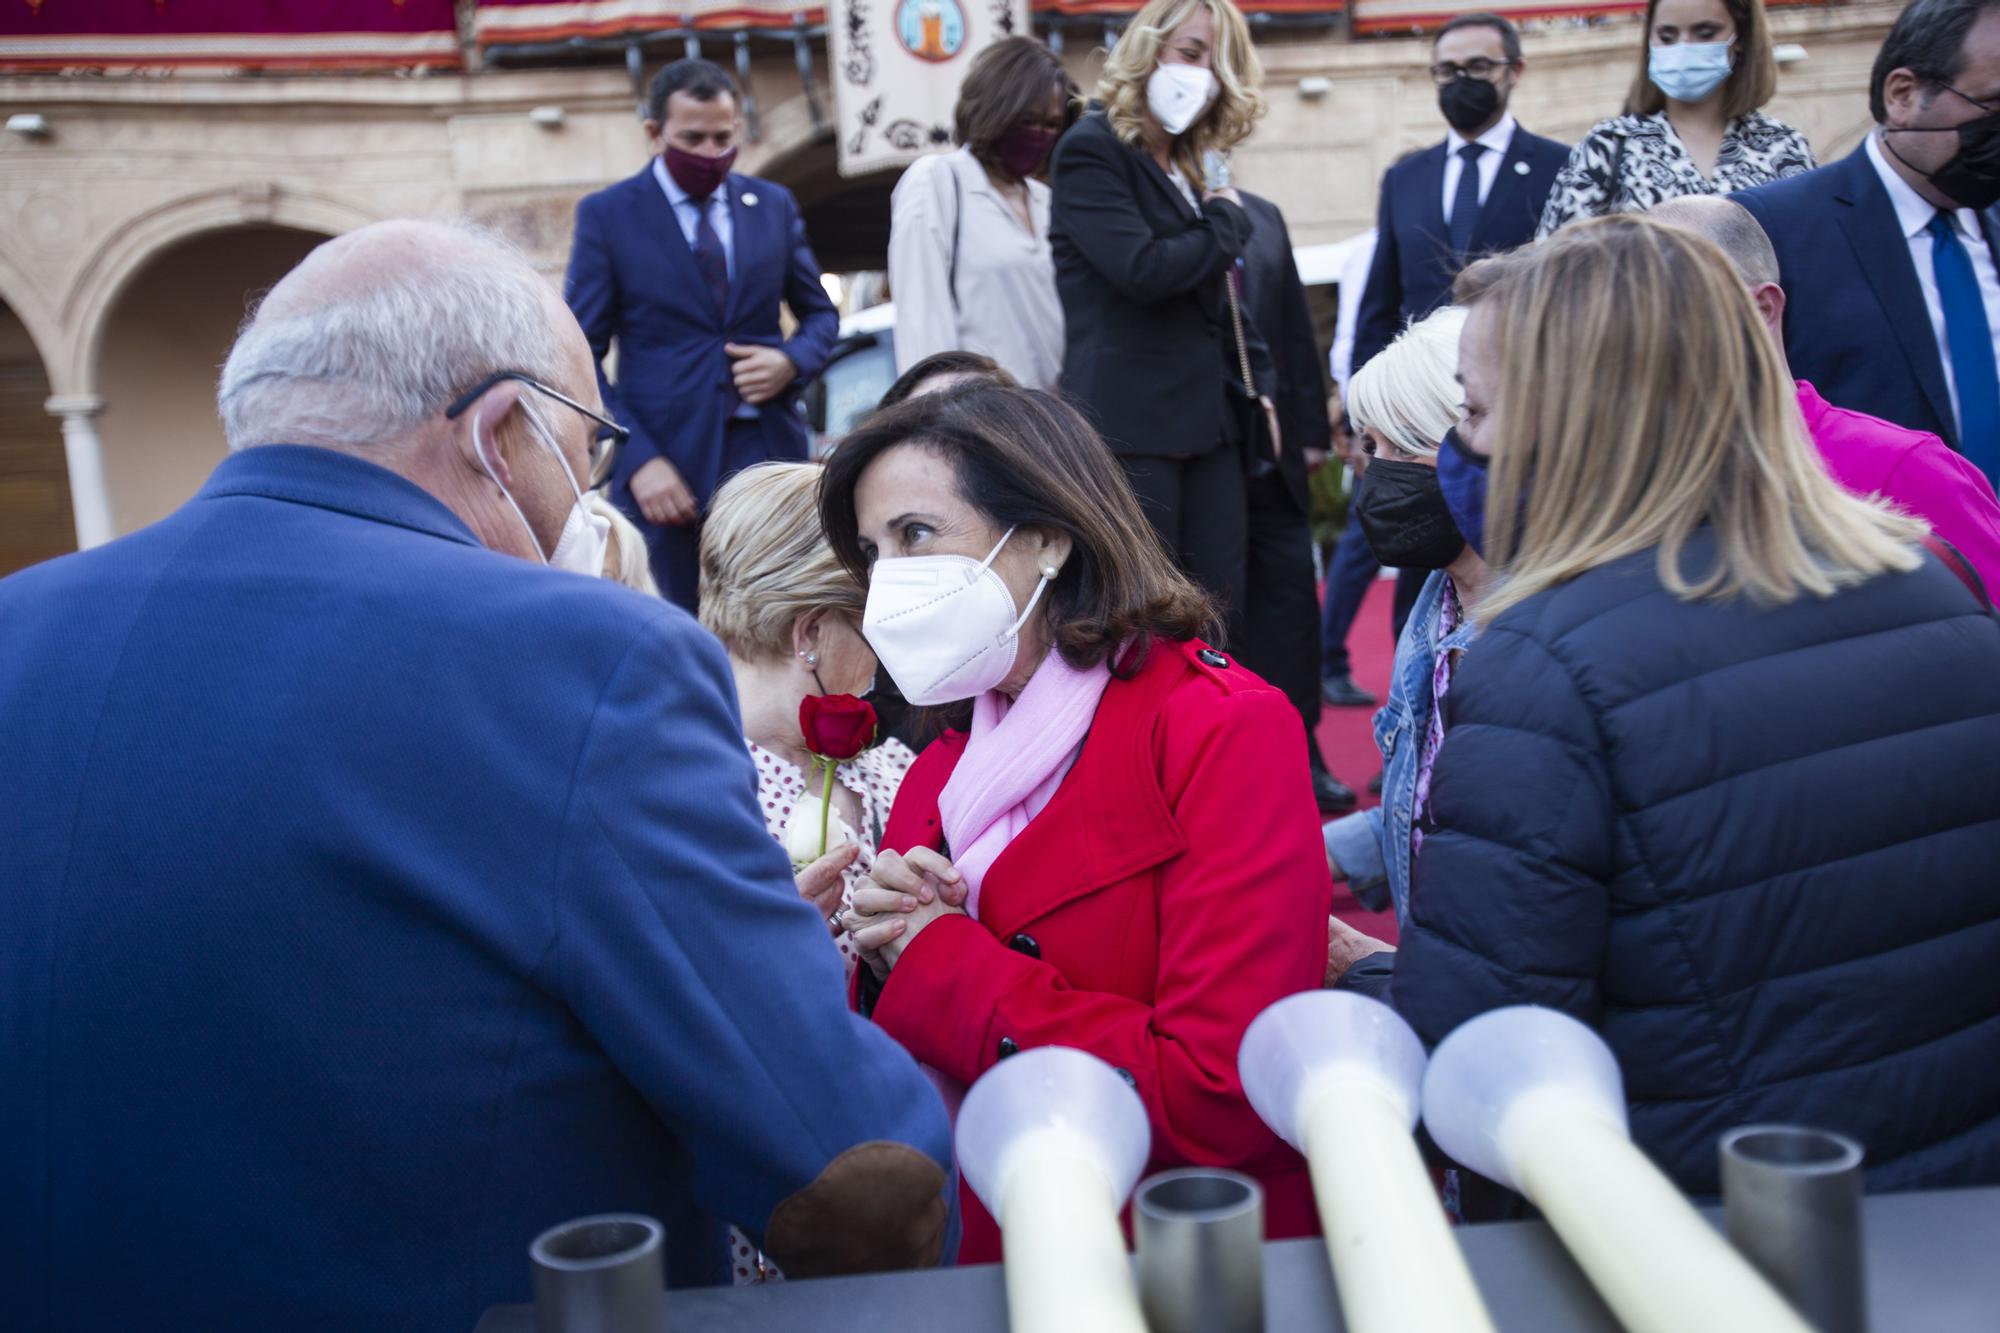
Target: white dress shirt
{"type": "Point", "coordinates": [1006, 306]}
{"type": "Point", "coordinates": [1495, 141]}
{"type": "Point", "coordinates": [1913, 215]}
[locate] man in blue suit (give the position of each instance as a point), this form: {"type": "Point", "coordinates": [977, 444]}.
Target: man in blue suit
{"type": "Point", "coordinates": [684, 266]}
{"type": "Point", "coordinates": [376, 897]}
{"type": "Point", "coordinates": [1891, 256]}
{"type": "Point", "coordinates": [1478, 192]}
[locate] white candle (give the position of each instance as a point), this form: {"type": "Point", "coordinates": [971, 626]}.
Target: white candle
{"type": "Point", "coordinates": [1066, 1267]}
{"type": "Point", "coordinates": [1658, 1264]}
{"type": "Point", "coordinates": [1395, 1264]}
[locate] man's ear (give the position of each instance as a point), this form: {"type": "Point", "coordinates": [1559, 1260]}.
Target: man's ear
{"type": "Point", "coordinates": [1770, 299]}
{"type": "Point", "coordinates": [479, 430]}
{"type": "Point", "coordinates": [655, 135]}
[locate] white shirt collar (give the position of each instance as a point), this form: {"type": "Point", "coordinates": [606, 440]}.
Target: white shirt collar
{"type": "Point", "coordinates": [1913, 211]}
{"type": "Point", "coordinates": [675, 194]}
{"type": "Point", "coordinates": [1496, 140]}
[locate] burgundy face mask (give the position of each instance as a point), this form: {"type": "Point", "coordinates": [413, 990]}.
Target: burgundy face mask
{"type": "Point", "coordinates": [699, 176]}
{"type": "Point", "coordinates": [1023, 149]}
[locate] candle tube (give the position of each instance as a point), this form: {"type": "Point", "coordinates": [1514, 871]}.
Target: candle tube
{"type": "Point", "coordinates": [1337, 1076]}
{"type": "Point", "coordinates": [1532, 1098]}
{"type": "Point", "coordinates": [1052, 1141]}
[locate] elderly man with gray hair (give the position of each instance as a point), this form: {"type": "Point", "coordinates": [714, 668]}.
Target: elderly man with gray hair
{"type": "Point", "coordinates": [1917, 472]}
{"type": "Point", "coordinates": [376, 896]}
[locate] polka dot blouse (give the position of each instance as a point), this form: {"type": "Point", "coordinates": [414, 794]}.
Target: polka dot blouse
{"type": "Point", "coordinates": [874, 776]}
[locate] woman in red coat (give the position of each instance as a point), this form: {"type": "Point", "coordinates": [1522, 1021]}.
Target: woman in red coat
{"type": "Point", "coordinates": [1117, 848]}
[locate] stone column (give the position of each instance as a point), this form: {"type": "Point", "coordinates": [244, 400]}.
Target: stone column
{"type": "Point", "coordinates": [88, 498]}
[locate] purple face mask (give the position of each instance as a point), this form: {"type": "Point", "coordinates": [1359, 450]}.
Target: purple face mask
{"type": "Point", "coordinates": [1023, 149]}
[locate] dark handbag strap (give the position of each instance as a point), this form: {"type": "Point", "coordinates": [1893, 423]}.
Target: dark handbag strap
{"type": "Point", "coordinates": [1956, 562]}
{"type": "Point", "coordinates": [1617, 174]}
{"type": "Point", "coordinates": [1236, 323]}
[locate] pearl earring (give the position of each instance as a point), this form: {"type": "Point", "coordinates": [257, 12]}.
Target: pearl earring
{"type": "Point", "coordinates": [812, 659]}
{"type": "Point", "coordinates": [1049, 571]}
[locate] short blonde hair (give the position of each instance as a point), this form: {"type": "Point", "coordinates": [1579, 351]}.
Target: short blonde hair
{"type": "Point", "coordinates": [626, 558]}
{"type": "Point", "coordinates": [1409, 391]}
{"type": "Point", "coordinates": [765, 561]}
{"type": "Point", "coordinates": [1641, 400]}
{"type": "Point", "coordinates": [1233, 59]}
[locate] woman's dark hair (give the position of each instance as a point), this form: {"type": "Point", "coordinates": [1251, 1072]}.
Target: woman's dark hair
{"type": "Point", "coordinates": [1752, 82]}
{"type": "Point", "coordinates": [703, 80]}
{"type": "Point", "coordinates": [1928, 40]}
{"type": "Point", "coordinates": [1027, 459]}
{"type": "Point", "coordinates": [1010, 79]}
{"type": "Point", "coordinates": [939, 365]}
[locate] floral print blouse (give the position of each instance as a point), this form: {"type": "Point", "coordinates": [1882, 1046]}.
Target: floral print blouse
{"type": "Point", "coordinates": [874, 776]}
{"type": "Point", "coordinates": [1629, 163]}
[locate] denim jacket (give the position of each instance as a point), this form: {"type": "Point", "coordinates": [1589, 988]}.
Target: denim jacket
{"type": "Point", "coordinates": [1373, 846]}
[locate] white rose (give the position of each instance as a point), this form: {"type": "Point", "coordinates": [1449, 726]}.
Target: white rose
{"type": "Point", "coordinates": [802, 834]}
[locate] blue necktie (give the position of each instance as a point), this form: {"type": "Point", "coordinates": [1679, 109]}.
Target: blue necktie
{"type": "Point", "coordinates": [710, 257]}
{"type": "Point", "coordinates": [1465, 200]}
{"type": "Point", "coordinates": [1971, 341]}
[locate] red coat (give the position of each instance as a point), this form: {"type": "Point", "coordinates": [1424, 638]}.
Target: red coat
{"type": "Point", "coordinates": [1174, 888]}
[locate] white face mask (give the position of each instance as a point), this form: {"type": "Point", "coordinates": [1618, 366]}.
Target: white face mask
{"type": "Point", "coordinates": [585, 535]}
{"type": "Point", "coordinates": [1178, 94]}
{"type": "Point", "coordinates": [944, 626]}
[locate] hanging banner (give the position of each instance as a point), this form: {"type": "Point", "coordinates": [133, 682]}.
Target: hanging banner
{"type": "Point", "coordinates": [228, 34]}
{"type": "Point", "coordinates": [897, 65]}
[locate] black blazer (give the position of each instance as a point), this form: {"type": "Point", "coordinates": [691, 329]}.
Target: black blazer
{"type": "Point", "coordinates": [1148, 351]}
{"type": "Point", "coordinates": [1274, 299]}
{"type": "Point", "coordinates": [1414, 265]}
{"type": "Point", "coordinates": [1855, 321]}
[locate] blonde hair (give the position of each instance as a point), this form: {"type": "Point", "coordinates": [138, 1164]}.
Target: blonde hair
{"type": "Point", "coordinates": [1233, 59]}
{"type": "Point", "coordinates": [626, 559]}
{"type": "Point", "coordinates": [765, 561]}
{"type": "Point", "coordinates": [1409, 391]}
{"type": "Point", "coordinates": [1641, 399]}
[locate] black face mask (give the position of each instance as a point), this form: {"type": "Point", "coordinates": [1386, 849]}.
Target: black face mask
{"type": "Point", "coordinates": [1971, 179]}
{"type": "Point", "coordinates": [1468, 103]}
{"type": "Point", "coordinates": [1403, 515]}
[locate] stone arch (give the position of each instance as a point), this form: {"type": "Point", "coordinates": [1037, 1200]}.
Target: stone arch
{"type": "Point", "coordinates": [141, 239]}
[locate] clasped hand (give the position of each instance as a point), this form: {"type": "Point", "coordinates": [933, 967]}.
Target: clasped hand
{"type": "Point", "coordinates": [910, 890]}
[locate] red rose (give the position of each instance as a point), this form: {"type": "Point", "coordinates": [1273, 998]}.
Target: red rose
{"type": "Point", "coordinates": [837, 726]}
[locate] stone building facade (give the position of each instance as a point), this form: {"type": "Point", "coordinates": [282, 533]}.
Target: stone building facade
{"type": "Point", "coordinates": [134, 231]}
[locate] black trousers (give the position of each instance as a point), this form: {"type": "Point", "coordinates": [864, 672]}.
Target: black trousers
{"type": "Point", "coordinates": [1279, 634]}
{"type": "Point", "coordinates": [1198, 507]}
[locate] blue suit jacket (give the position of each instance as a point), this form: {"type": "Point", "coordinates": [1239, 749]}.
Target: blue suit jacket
{"type": "Point", "coordinates": [1855, 322]}
{"type": "Point", "coordinates": [1414, 265]}
{"type": "Point", "coordinates": [632, 278]}
{"type": "Point", "coordinates": [373, 901]}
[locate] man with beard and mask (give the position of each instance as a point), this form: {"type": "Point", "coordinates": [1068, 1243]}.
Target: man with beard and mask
{"type": "Point", "coordinates": [1480, 191]}
{"type": "Point", "coordinates": [383, 887]}
{"type": "Point", "coordinates": [684, 266]}
{"type": "Point", "coordinates": [1888, 256]}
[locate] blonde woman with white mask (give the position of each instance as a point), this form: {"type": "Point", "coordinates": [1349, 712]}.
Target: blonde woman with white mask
{"type": "Point", "coordinates": [1143, 253]}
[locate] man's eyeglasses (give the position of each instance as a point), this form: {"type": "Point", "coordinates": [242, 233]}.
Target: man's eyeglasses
{"type": "Point", "coordinates": [1478, 68]}
{"type": "Point", "coordinates": [604, 445]}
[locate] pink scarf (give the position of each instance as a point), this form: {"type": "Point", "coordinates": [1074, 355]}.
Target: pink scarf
{"type": "Point", "coordinates": [1018, 755]}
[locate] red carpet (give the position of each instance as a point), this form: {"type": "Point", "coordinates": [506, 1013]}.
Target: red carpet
{"type": "Point", "coordinates": [1347, 738]}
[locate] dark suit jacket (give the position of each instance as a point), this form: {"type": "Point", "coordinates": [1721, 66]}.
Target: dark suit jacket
{"type": "Point", "coordinates": [1275, 300]}
{"type": "Point", "coordinates": [1149, 351]}
{"type": "Point", "coordinates": [1856, 326]}
{"type": "Point", "coordinates": [632, 278]}
{"type": "Point", "coordinates": [373, 901]}
{"type": "Point", "coordinates": [1414, 265]}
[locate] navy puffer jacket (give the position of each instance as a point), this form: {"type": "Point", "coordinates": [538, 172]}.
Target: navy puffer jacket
{"type": "Point", "coordinates": [1758, 849]}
